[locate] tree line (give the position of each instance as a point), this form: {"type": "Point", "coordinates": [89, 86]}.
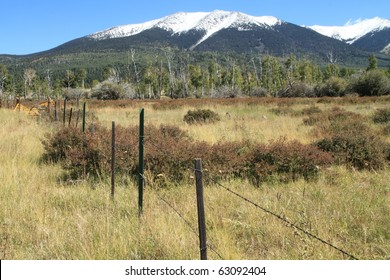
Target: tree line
{"type": "Point", "coordinates": [180, 76]}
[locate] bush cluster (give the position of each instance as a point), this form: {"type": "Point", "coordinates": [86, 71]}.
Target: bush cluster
{"type": "Point", "coordinates": [108, 91]}
{"type": "Point", "coordinates": [381, 116]}
{"type": "Point", "coordinates": [356, 147]}
{"type": "Point", "coordinates": [350, 140]}
{"type": "Point", "coordinates": [371, 83]}
{"type": "Point", "coordinates": [289, 160]}
{"type": "Point", "coordinates": [200, 116]}
{"type": "Point", "coordinates": [170, 153]}
{"type": "Point", "coordinates": [334, 86]}
{"type": "Point", "coordinates": [328, 121]}
{"type": "Point", "coordinates": [299, 89]}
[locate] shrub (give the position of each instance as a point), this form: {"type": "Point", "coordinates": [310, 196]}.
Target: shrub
{"type": "Point", "coordinates": [353, 143]}
{"type": "Point", "coordinates": [381, 116]}
{"type": "Point", "coordinates": [200, 116]}
{"type": "Point", "coordinates": [108, 91]}
{"type": "Point", "coordinates": [311, 111]}
{"type": "Point", "coordinates": [350, 140]}
{"type": "Point", "coordinates": [386, 130]}
{"type": "Point", "coordinates": [334, 87]}
{"type": "Point", "coordinates": [289, 160]}
{"type": "Point", "coordinates": [371, 83]}
{"type": "Point", "coordinates": [170, 153]}
{"type": "Point", "coordinates": [283, 111]}
{"type": "Point", "coordinates": [331, 118]}
{"type": "Point", "coordinates": [299, 89]}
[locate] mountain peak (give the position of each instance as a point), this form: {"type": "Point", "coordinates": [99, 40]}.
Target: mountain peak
{"type": "Point", "coordinates": [352, 30]}
{"type": "Point", "coordinates": [209, 22]}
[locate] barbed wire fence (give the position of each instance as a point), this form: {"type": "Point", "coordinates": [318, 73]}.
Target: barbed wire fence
{"type": "Point", "coordinates": [144, 180]}
{"type": "Point", "coordinates": [256, 205]}
{"type": "Point", "coordinates": [182, 217]}
{"type": "Point", "coordinates": [279, 217]}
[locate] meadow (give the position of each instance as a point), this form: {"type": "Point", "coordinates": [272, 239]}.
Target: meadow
{"type": "Point", "coordinates": [44, 215]}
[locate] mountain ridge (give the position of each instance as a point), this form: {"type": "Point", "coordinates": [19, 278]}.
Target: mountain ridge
{"type": "Point", "coordinates": [183, 22]}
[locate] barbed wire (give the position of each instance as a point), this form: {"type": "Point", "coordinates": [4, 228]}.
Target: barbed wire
{"type": "Point", "coordinates": [180, 215]}
{"type": "Point", "coordinates": [280, 217]}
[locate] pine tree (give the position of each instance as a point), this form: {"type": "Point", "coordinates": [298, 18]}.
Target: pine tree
{"type": "Point", "coordinates": [3, 78]}
{"type": "Point", "coordinates": [372, 62]}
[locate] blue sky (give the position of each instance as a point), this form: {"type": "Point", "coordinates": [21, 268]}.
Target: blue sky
{"type": "Point", "coordinates": [28, 26]}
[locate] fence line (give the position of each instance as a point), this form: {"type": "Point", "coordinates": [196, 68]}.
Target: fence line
{"type": "Point", "coordinates": [281, 218]}
{"type": "Point", "coordinates": [142, 179]}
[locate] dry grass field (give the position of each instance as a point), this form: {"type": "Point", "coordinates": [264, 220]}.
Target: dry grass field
{"type": "Point", "coordinates": [43, 216]}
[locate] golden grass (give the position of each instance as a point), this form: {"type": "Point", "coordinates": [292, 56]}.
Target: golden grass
{"type": "Point", "coordinates": [42, 217]}
{"type": "Point", "coordinates": [239, 122]}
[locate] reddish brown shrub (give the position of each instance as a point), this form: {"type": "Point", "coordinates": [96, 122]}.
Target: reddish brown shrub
{"type": "Point", "coordinates": [170, 153]}
{"type": "Point", "coordinates": [356, 145]}
{"type": "Point", "coordinates": [289, 160]}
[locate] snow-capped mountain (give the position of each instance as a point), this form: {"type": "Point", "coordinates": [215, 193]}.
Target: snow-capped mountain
{"type": "Point", "coordinates": [207, 22]}
{"type": "Point", "coordinates": [217, 31]}
{"type": "Point", "coordinates": [235, 32]}
{"type": "Point", "coordinates": [361, 33]}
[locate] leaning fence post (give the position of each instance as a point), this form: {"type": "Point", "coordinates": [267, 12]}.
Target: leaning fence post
{"type": "Point", "coordinates": [141, 162]}
{"type": "Point", "coordinates": [113, 161]}
{"type": "Point", "coordinates": [200, 206]}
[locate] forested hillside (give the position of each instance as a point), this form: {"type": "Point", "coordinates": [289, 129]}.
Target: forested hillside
{"type": "Point", "coordinates": [143, 73]}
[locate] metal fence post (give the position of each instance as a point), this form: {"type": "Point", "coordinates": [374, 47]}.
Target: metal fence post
{"type": "Point", "coordinates": [141, 162]}
{"type": "Point", "coordinates": [64, 114]}
{"type": "Point", "coordinates": [113, 161]}
{"type": "Point", "coordinates": [83, 124]}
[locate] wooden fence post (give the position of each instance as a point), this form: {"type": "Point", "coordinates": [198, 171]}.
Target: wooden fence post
{"type": "Point", "coordinates": [141, 163]}
{"type": "Point", "coordinates": [70, 116]}
{"type": "Point", "coordinates": [55, 111]}
{"type": "Point", "coordinates": [200, 206]}
{"type": "Point", "coordinates": [113, 161]}
{"type": "Point", "coordinates": [48, 107]}
{"type": "Point", "coordinates": [83, 124]}
{"type": "Point", "coordinates": [64, 115]}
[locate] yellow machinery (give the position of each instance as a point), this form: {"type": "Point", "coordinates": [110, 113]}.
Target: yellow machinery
{"type": "Point", "coordinates": [48, 103]}
{"type": "Point", "coordinates": [34, 111]}
{"type": "Point", "coordinates": [30, 111]}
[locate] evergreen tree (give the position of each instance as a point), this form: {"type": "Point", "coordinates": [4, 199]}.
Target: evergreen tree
{"type": "Point", "coordinates": [332, 70]}
{"type": "Point", "coordinates": [372, 62]}
{"type": "Point", "coordinates": [3, 78]}
{"type": "Point", "coordinates": [81, 75]}
{"type": "Point", "coordinates": [196, 76]}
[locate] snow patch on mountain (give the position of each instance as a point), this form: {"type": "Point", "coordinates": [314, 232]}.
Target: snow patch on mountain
{"type": "Point", "coordinates": [210, 22]}
{"type": "Point", "coordinates": [386, 49]}
{"type": "Point", "coordinates": [352, 30]}
{"type": "Point", "coordinates": [218, 20]}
